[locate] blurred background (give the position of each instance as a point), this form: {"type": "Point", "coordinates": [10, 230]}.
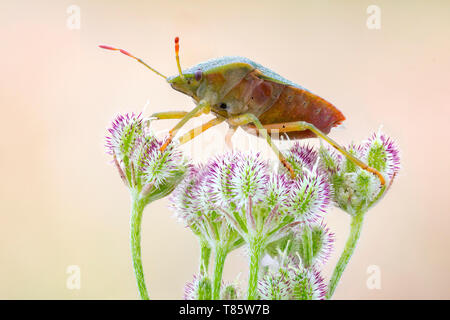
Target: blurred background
{"type": "Point", "coordinates": [62, 202]}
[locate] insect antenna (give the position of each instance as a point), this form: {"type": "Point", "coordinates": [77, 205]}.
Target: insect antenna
{"type": "Point", "coordinates": [137, 59]}
{"type": "Point", "coordinates": [177, 55]}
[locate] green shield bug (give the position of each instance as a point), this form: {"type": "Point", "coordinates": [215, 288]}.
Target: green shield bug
{"type": "Point", "coordinates": [245, 94]}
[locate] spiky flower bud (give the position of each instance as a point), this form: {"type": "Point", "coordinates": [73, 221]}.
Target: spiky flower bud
{"type": "Point", "coordinates": [143, 167]}
{"type": "Point", "coordinates": [383, 154]}
{"type": "Point", "coordinates": [229, 292]}
{"type": "Point", "coordinates": [355, 189]}
{"type": "Point", "coordinates": [159, 167]}
{"type": "Point", "coordinates": [249, 179]}
{"type": "Point", "coordinates": [123, 134]}
{"type": "Point", "coordinates": [198, 289]}
{"type": "Point", "coordinates": [275, 286]}
{"type": "Point", "coordinates": [308, 244]}
{"type": "Point", "coordinates": [302, 156]}
{"type": "Point", "coordinates": [307, 284]}
{"type": "Point", "coordinates": [291, 281]}
{"type": "Point", "coordinates": [323, 241]}
{"type": "Point", "coordinates": [309, 196]}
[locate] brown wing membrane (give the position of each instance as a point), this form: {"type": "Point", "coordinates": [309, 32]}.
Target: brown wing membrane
{"type": "Point", "coordinates": [295, 104]}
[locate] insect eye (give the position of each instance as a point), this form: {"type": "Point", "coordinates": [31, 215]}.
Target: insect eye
{"type": "Point", "coordinates": [198, 75]}
{"type": "Point", "coordinates": [223, 106]}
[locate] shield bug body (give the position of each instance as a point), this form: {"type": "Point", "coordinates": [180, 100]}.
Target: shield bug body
{"type": "Point", "coordinates": [246, 94]}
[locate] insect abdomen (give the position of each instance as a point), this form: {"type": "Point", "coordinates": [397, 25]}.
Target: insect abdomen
{"type": "Point", "coordinates": [295, 104]}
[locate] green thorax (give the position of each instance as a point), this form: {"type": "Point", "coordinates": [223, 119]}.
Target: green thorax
{"type": "Point", "coordinates": [223, 64]}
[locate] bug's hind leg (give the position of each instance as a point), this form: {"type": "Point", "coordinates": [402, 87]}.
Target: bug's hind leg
{"type": "Point", "coordinates": [302, 125]}
{"type": "Point", "coordinates": [249, 118]}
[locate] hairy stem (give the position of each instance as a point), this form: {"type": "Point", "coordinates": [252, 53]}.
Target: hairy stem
{"type": "Point", "coordinates": [355, 231]}
{"type": "Point", "coordinates": [219, 262]}
{"type": "Point", "coordinates": [137, 209]}
{"type": "Point", "coordinates": [307, 249]}
{"type": "Point", "coordinates": [256, 250]}
{"type": "Point", "coordinates": [205, 254]}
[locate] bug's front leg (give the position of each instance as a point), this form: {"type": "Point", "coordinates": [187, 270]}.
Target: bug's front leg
{"type": "Point", "coordinates": [302, 125]}
{"type": "Point", "coordinates": [168, 115]}
{"type": "Point", "coordinates": [202, 107]}
{"type": "Point", "coordinates": [249, 118]}
{"type": "Point", "coordinates": [200, 129]}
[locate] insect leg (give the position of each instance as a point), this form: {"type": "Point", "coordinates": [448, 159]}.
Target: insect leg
{"type": "Point", "coordinates": [198, 130]}
{"type": "Point", "coordinates": [248, 118]}
{"type": "Point", "coordinates": [202, 107]}
{"type": "Point", "coordinates": [169, 115]}
{"type": "Point", "coordinates": [302, 125]}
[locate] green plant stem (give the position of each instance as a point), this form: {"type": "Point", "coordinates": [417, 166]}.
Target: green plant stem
{"type": "Point", "coordinates": [137, 209]}
{"type": "Point", "coordinates": [219, 262]}
{"type": "Point", "coordinates": [205, 254]}
{"type": "Point", "coordinates": [355, 231]}
{"type": "Point", "coordinates": [256, 250]}
{"type": "Point", "coordinates": [307, 249]}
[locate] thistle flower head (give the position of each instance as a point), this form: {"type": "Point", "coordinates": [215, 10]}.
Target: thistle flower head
{"type": "Point", "coordinates": [249, 179]}
{"type": "Point", "coordinates": [294, 246]}
{"type": "Point", "coordinates": [307, 283]}
{"type": "Point", "coordinates": [382, 153]}
{"type": "Point", "coordinates": [275, 286]}
{"type": "Point", "coordinates": [158, 167]}
{"type": "Point", "coordinates": [300, 157]}
{"type": "Point", "coordinates": [229, 292]}
{"type": "Point", "coordinates": [304, 155]}
{"type": "Point", "coordinates": [277, 192]}
{"type": "Point", "coordinates": [355, 189]}
{"type": "Point", "coordinates": [323, 242]}
{"type": "Point", "coordinates": [218, 173]}
{"type": "Point", "coordinates": [309, 196]}
{"type": "Point", "coordinates": [198, 289]}
{"type": "Point", "coordinates": [124, 132]}
{"type": "Point", "coordinates": [142, 166]}
{"type": "Point", "coordinates": [184, 199]}
{"type": "Point", "coordinates": [235, 176]}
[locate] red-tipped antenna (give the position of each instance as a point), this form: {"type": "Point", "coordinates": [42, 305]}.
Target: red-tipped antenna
{"type": "Point", "coordinates": [130, 55]}
{"type": "Point", "coordinates": [177, 56]}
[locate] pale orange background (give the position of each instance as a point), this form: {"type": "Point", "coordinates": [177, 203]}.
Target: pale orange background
{"type": "Point", "coordinates": [62, 203]}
